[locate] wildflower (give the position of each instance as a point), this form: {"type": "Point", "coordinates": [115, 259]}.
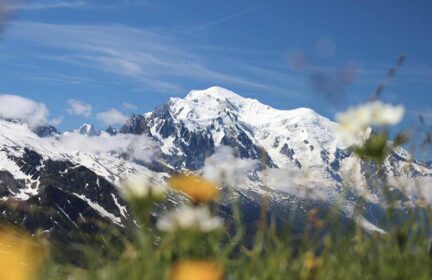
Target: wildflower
{"type": "Point", "coordinates": [355, 123]}
{"type": "Point", "coordinates": [189, 218]}
{"type": "Point", "coordinates": [195, 187]}
{"type": "Point", "coordinates": [385, 114]}
{"type": "Point", "coordinates": [353, 127]}
{"type": "Point", "coordinates": [310, 261]}
{"type": "Point", "coordinates": [20, 256]}
{"type": "Point", "coordinates": [140, 187]}
{"type": "Point", "coordinates": [203, 270]}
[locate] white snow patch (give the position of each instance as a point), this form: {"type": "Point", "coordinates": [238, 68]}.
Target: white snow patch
{"type": "Point", "coordinates": [100, 209]}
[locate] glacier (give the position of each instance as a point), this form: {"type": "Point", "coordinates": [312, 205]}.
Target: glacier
{"type": "Point", "coordinates": [289, 157]}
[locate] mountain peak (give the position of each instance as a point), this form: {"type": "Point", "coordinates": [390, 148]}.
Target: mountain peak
{"type": "Point", "coordinates": [211, 103]}
{"type": "Point", "coordinates": [88, 129]}
{"type": "Point", "coordinates": [214, 92]}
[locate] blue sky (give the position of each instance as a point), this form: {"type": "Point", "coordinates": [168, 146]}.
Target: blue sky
{"type": "Point", "coordinates": [133, 55]}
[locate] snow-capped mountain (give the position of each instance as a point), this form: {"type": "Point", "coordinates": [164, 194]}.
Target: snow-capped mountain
{"type": "Point", "coordinates": [297, 149]}
{"type": "Point", "coordinates": [190, 129]}
{"type": "Point", "coordinates": [73, 178]}
{"type": "Point", "coordinates": [55, 183]}
{"type": "Point", "coordinates": [88, 130]}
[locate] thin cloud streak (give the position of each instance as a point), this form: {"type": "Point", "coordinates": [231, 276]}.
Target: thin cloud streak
{"type": "Point", "coordinates": [151, 59]}
{"type": "Point", "coordinates": [199, 29]}
{"type": "Point", "coordinates": [46, 5]}
{"type": "Point", "coordinates": [227, 18]}
{"type": "Point", "coordinates": [71, 4]}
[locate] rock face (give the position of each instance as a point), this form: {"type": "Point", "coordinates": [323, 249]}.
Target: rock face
{"type": "Point", "coordinates": [69, 202]}
{"type": "Point", "coordinates": [73, 191]}
{"type": "Point", "coordinates": [111, 131]}
{"type": "Point", "coordinates": [46, 131]}
{"type": "Point", "coordinates": [88, 130]}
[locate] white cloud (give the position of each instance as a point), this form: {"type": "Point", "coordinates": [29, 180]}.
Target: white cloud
{"type": "Point", "coordinates": [300, 183]}
{"type": "Point", "coordinates": [129, 106]}
{"type": "Point", "coordinates": [136, 147]}
{"type": "Point", "coordinates": [223, 167]}
{"type": "Point", "coordinates": [112, 117]}
{"type": "Point", "coordinates": [23, 109]}
{"type": "Point", "coordinates": [79, 108]}
{"type": "Point", "coordinates": [56, 121]}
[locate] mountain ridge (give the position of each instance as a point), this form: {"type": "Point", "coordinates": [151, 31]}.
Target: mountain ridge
{"type": "Point", "coordinates": [292, 157]}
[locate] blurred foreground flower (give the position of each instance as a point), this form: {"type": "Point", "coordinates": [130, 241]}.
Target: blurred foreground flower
{"type": "Point", "coordinates": [355, 123]}
{"type": "Point", "coordinates": [20, 255]}
{"type": "Point", "coordinates": [139, 188]}
{"type": "Point", "coordinates": [189, 218]}
{"type": "Point", "coordinates": [311, 261]}
{"type": "Point", "coordinates": [195, 187]}
{"type": "Point", "coordinates": [194, 270]}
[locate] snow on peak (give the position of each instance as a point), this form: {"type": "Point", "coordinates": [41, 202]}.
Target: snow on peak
{"type": "Point", "coordinates": [86, 126]}
{"type": "Point", "coordinates": [88, 130]}
{"type": "Point", "coordinates": [222, 112]}
{"type": "Point", "coordinates": [202, 106]}
{"type": "Point", "coordinates": [214, 92]}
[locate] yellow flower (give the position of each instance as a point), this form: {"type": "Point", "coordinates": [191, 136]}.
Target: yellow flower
{"type": "Point", "coordinates": [193, 270]}
{"type": "Point", "coordinates": [195, 187]}
{"type": "Point", "coordinates": [20, 255]}
{"type": "Point", "coordinates": [310, 261]}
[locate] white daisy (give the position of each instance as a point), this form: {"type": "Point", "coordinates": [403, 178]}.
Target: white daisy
{"type": "Point", "coordinates": [189, 218]}
{"type": "Point", "coordinates": [354, 124]}
{"type": "Point", "coordinates": [140, 187]}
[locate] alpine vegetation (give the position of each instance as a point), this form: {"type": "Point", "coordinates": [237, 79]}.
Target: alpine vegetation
{"type": "Point", "coordinates": [215, 140]}
{"type": "Point", "coordinates": [219, 185]}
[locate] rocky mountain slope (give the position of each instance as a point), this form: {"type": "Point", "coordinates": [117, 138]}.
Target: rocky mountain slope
{"type": "Point", "coordinates": [290, 156]}
{"type": "Point", "coordinates": [297, 149]}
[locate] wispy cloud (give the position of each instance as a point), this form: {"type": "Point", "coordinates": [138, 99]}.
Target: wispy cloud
{"type": "Point", "coordinates": [154, 60]}
{"type": "Point", "coordinates": [129, 106]}
{"type": "Point", "coordinates": [43, 5]}
{"type": "Point", "coordinates": [46, 5]}
{"type": "Point", "coordinates": [79, 108]}
{"type": "Point", "coordinates": [41, 74]}
{"type": "Point", "coordinates": [214, 22]}
{"type": "Point", "coordinates": [112, 117]}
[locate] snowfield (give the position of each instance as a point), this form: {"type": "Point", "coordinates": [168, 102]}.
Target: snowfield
{"type": "Point", "coordinates": [284, 154]}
